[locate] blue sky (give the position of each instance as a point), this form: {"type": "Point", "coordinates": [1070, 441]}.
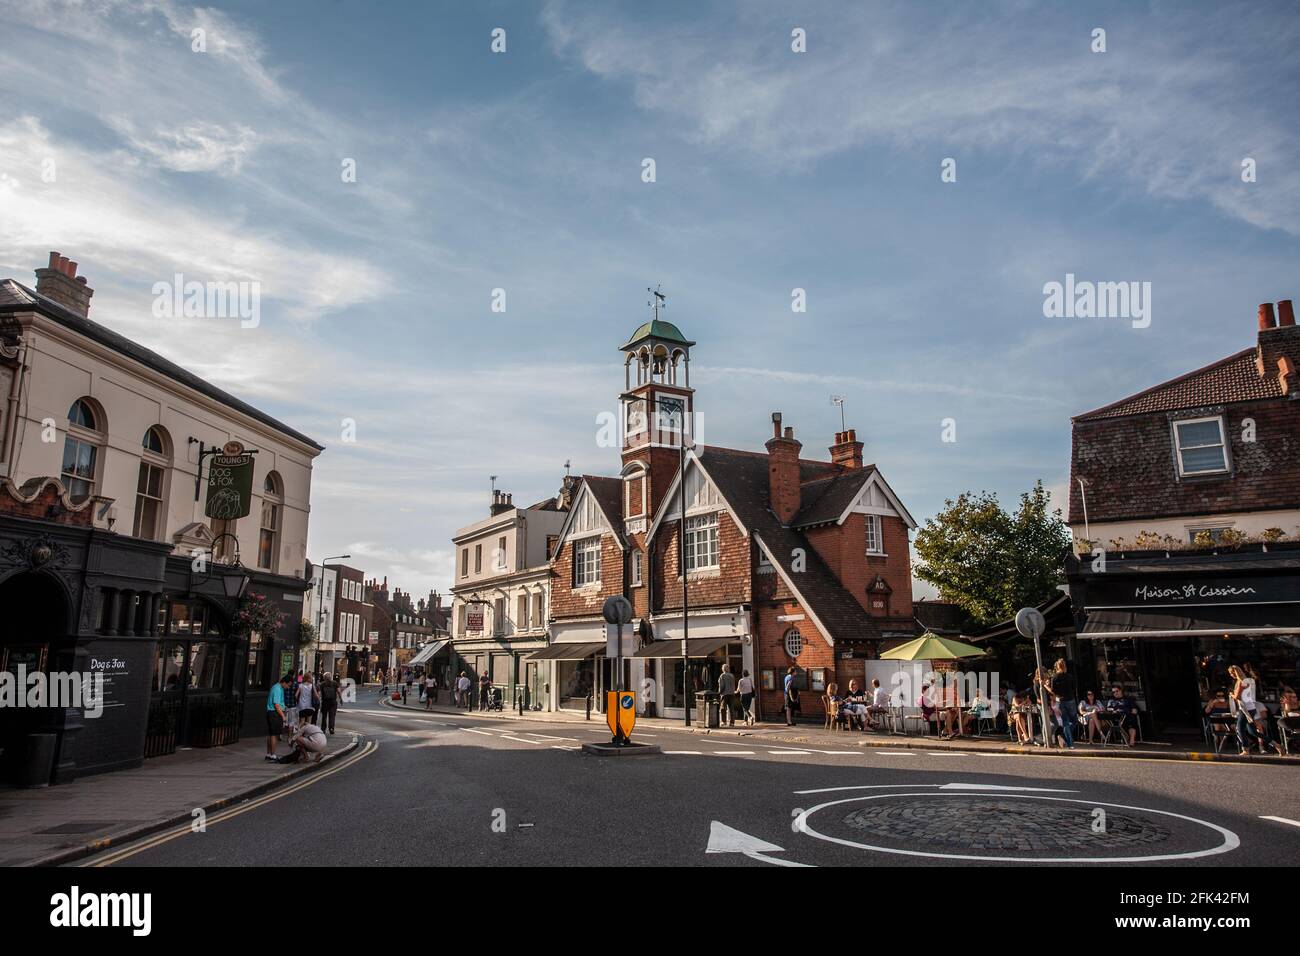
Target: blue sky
{"type": "Point", "coordinates": [775, 170]}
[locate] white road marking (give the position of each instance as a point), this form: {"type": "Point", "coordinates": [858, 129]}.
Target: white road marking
{"type": "Point", "coordinates": [1294, 823]}
{"type": "Point", "coordinates": [896, 753]}
{"type": "Point", "coordinates": [839, 753]}
{"type": "Point", "coordinates": [692, 753]}
{"type": "Point", "coordinates": [533, 733]}
{"type": "Point", "coordinates": [1230, 840]}
{"type": "Point", "coordinates": [796, 752]}
{"type": "Point", "coordinates": [522, 740]}
{"type": "Point", "coordinates": [733, 753]}
{"type": "Point", "coordinates": [562, 747]}
{"type": "Point", "coordinates": [939, 786]}
{"type": "Point", "coordinates": [725, 839]}
{"type": "Point", "coordinates": [471, 730]}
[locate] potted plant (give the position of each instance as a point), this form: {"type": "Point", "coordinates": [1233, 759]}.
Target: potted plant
{"type": "Point", "coordinates": [258, 614]}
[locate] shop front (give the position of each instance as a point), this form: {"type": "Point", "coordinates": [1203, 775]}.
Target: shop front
{"type": "Point", "coordinates": [1166, 628]}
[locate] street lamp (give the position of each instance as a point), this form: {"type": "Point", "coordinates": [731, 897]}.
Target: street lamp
{"type": "Point", "coordinates": [237, 583]}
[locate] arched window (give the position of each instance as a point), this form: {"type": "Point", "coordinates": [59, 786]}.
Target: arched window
{"type": "Point", "coordinates": [151, 485]}
{"type": "Point", "coordinates": [269, 536]}
{"type": "Point", "coordinates": [86, 434]}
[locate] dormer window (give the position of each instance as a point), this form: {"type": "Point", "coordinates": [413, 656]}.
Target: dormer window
{"type": "Point", "coordinates": [1200, 446]}
{"type": "Point", "coordinates": [586, 562]}
{"type": "Point", "coordinates": [702, 542]}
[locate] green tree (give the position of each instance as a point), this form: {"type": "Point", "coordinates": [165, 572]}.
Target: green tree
{"type": "Point", "coordinates": [989, 562]}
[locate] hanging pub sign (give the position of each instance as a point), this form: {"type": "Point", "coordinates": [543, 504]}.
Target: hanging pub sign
{"type": "Point", "coordinates": [230, 483]}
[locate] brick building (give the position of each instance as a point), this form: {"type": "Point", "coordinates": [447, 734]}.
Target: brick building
{"type": "Point", "coordinates": [790, 561]}
{"type": "Point", "coordinates": [1186, 502]}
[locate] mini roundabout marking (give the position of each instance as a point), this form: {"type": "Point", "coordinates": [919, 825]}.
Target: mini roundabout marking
{"type": "Point", "coordinates": [988, 823]}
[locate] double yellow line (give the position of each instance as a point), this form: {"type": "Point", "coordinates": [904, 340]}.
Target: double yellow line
{"type": "Point", "coordinates": [183, 829]}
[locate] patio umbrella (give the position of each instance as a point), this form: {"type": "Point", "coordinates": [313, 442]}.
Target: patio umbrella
{"type": "Point", "coordinates": [932, 647]}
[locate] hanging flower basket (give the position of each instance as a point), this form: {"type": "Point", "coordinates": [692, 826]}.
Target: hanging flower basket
{"type": "Point", "coordinates": [258, 614]}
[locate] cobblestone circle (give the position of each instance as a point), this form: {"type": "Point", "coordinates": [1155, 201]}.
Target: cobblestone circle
{"type": "Point", "coordinates": [992, 824]}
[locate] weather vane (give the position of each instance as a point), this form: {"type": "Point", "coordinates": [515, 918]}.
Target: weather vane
{"type": "Point", "coordinates": [839, 400]}
{"type": "Point", "coordinates": [657, 300]}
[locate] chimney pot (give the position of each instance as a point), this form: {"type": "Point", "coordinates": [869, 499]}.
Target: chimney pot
{"type": "Point", "coordinates": [789, 431]}
{"type": "Point", "coordinates": [776, 424]}
{"type": "Point", "coordinates": [1285, 313]}
{"type": "Point", "coordinates": [1266, 320]}
{"type": "Point", "coordinates": [54, 260]}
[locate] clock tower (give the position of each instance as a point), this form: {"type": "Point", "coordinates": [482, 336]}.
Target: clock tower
{"type": "Point", "coordinates": [658, 412]}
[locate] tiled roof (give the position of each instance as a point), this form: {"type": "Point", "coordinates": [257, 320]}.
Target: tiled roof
{"type": "Point", "coordinates": [1233, 379]}
{"type": "Point", "coordinates": [608, 493]}
{"type": "Point", "coordinates": [742, 479]}
{"type": "Point", "coordinates": [825, 499]}
{"type": "Point", "coordinates": [16, 297]}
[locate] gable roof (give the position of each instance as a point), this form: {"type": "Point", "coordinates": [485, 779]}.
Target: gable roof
{"type": "Point", "coordinates": [741, 478]}
{"type": "Point", "coordinates": [16, 297]}
{"type": "Point", "coordinates": [1231, 379]}
{"type": "Point", "coordinates": [608, 494]}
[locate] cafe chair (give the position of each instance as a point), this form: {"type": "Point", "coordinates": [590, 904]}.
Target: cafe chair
{"type": "Point", "coordinates": [835, 719]}
{"type": "Point", "coordinates": [1219, 728]}
{"type": "Point", "coordinates": [914, 715]}
{"type": "Point", "coordinates": [1288, 729]}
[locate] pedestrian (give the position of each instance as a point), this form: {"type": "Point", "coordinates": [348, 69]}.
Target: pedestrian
{"type": "Point", "coordinates": [462, 690]}
{"type": "Point", "coordinates": [409, 679]}
{"type": "Point", "coordinates": [308, 702]}
{"type": "Point", "coordinates": [275, 714]}
{"type": "Point", "coordinates": [430, 691]}
{"type": "Point", "coordinates": [383, 682]}
{"type": "Point", "coordinates": [329, 701]}
{"type": "Point", "coordinates": [1243, 696]}
{"type": "Point", "coordinates": [727, 695]}
{"type": "Point", "coordinates": [791, 697]}
{"type": "Point", "coordinates": [484, 692]}
{"type": "Point", "coordinates": [745, 687]}
{"type": "Point", "coordinates": [1066, 698]}
{"type": "Point", "coordinates": [308, 741]}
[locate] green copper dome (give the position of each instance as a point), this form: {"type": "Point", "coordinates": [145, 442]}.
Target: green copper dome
{"type": "Point", "coordinates": [658, 329]}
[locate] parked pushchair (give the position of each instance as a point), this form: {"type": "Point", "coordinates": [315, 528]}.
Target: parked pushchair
{"type": "Point", "coordinates": [494, 700]}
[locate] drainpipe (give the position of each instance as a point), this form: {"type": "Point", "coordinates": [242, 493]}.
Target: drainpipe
{"type": "Point", "coordinates": [9, 439]}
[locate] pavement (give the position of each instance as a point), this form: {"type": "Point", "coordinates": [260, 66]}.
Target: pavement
{"type": "Point", "coordinates": [495, 790]}
{"type": "Point", "coordinates": [53, 825]}
{"type": "Point", "coordinates": [809, 732]}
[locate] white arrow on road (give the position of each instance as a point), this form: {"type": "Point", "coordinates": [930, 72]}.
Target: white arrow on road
{"type": "Point", "coordinates": [725, 839]}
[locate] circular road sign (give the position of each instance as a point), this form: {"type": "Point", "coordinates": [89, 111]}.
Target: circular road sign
{"type": "Point", "coordinates": [1030, 622]}
{"type": "Point", "coordinates": [617, 610]}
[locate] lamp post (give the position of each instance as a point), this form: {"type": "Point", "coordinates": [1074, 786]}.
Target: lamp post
{"type": "Point", "coordinates": [320, 597]}
{"type": "Point", "coordinates": [681, 560]}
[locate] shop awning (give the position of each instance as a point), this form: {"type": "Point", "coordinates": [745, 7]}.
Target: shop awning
{"type": "Point", "coordinates": [1239, 620]}
{"type": "Point", "coordinates": [427, 652]}
{"type": "Point", "coordinates": [566, 652]}
{"type": "Point", "coordinates": [696, 647]}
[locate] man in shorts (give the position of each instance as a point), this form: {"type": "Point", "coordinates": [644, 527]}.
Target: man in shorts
{"type": "Point", "coordinates": [275, 714]}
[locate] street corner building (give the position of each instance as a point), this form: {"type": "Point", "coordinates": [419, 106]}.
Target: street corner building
{"type": "Point", "coordinates": [110, 560]}
{"type": "Point", "coordinates": [789, 562]}
{"type": "Point", "coordinates": [1186, 502]}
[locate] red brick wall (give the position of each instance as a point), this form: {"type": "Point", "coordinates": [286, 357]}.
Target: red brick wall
{"type": "Point", "coordinates": [769, 653]}
{"type": "Point", "coordinates": [1132, 473]}
{"type": "Point", "coordinates": [729, 586]}
{"type": "Point", "coordinates": [843, 548]}
{"type": "Point", "coordinates": [47, 506]}
{"type": "Point", "coordinates": [565, 601]}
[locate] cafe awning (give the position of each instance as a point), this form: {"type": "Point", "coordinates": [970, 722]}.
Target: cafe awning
{"type": "Point", "coordinates": [1237, 620]}
{"type": "Point", "coordinates": [566, 652]}
{"type": "Point", "coordinates": [426, 652]}
{"type": "Point", "coordinates": [696, 647]}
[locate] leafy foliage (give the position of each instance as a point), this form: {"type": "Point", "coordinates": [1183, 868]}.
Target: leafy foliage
{"type": "Point", "coordinates": [989, 562]}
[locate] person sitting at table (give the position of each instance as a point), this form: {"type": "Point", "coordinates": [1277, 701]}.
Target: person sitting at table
{"type": "Point", "coordinates": [855, 705]}
{"type": "Point", "coordinates": [834, 702]}
{"type": "Point", "coordinates": [1021, 716]}
{"type": "Point", "coordinates": [1218, 704]}
{"type": "Point", "coordinates": [1124, 709]}
{"type": "Point", "coordinates": [954, 721]}
{"type": "Point", "coordinates": [980, 706]}
{"type": "Point", "coordinates": [880, 701]}
{"type": "Point", "coordinates": [1089, 708]}
{"type": "Point", "coordinates": [1288, 703]}
{"type": "Point", "coordinates": [926, 702]}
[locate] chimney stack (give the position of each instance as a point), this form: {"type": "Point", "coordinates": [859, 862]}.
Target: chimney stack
{"type": "Point", "coordinates": [59, 281]}
{"type": "Point", "coordinates": [1285, 314]}
{"type": "Point", "coordinates": [847, 450]}
{"type": "Point", "coordinates": [500, 502]}
{"type": "Point", "coordinates": [783, 471]}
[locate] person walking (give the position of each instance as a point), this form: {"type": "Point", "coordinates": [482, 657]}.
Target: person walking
{"type": "Point", "coordinates": [745, 688]}
{"type": "Point", "coordinates": [791, 697]}
{"type": "Point", "coordinates": [1065, 698]}
{"type": "Point", "coordinates": [727, 695]}
{"type": "Point", "coordinates": [1243, 696]}
{"type": "Point", "coordinates": [275, 714]}
{"type": "Point", "coordinates": [484, 692]}
{"type": "Point", "coordinates": [308, 702]}
{"type": "Point", "coordinates": [463, 686]}
{"type": "Point", "coordinates": [329, 701]}
{"type": "Point", "coordinates": [430, 690]}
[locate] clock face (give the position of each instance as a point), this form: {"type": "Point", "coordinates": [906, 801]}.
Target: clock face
{"type": "Point", "coordinates": [671, 411]}
{"type": "Point", "coordinates": [636, 418]}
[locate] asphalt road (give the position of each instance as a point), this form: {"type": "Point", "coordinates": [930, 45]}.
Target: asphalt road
{"type": "Point", "coordinates": [444, 790]}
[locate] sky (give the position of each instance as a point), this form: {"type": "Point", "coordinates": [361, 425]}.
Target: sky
{"type": "Point", "coordinates": [523, 170]}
